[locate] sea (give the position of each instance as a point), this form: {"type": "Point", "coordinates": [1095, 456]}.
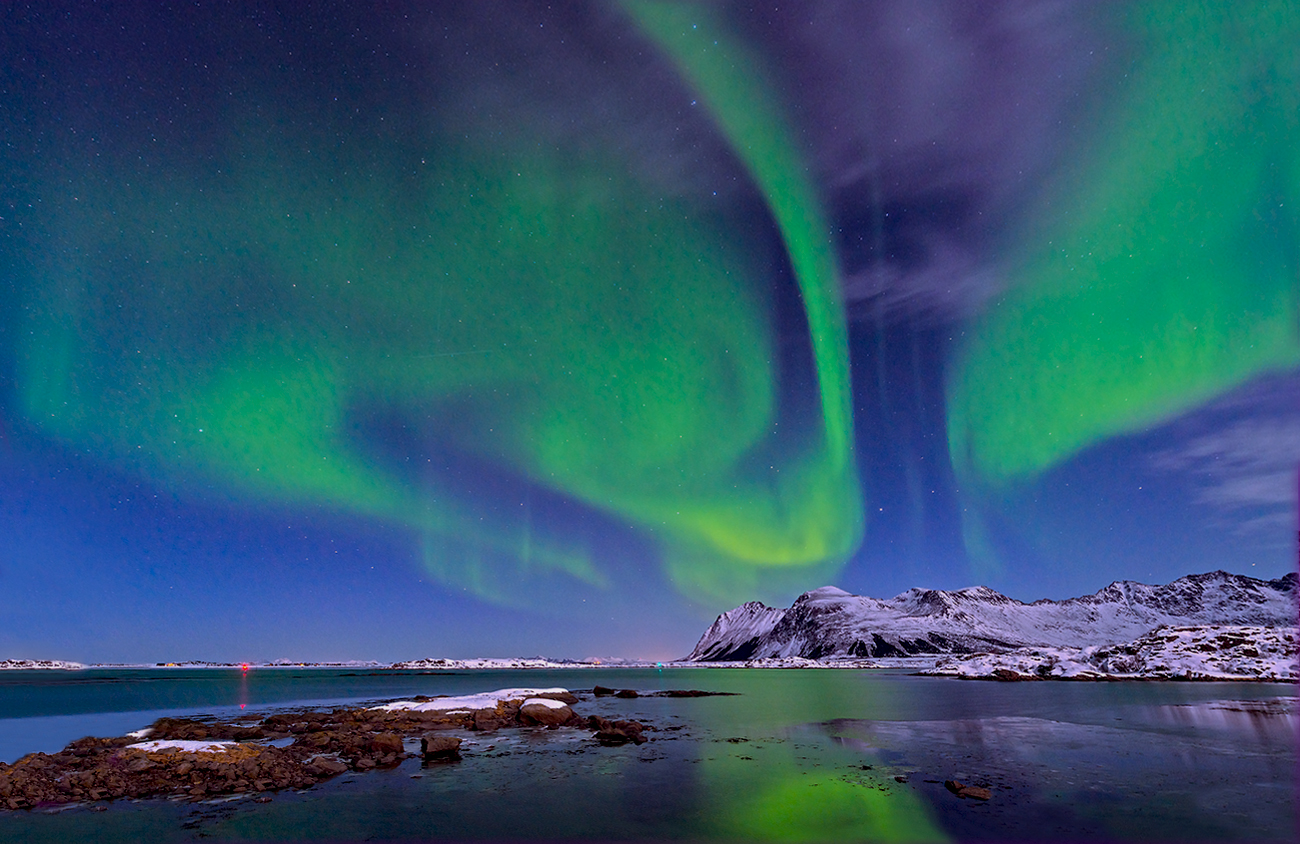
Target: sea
{"type": "Point", "coordinates": [791, 755]}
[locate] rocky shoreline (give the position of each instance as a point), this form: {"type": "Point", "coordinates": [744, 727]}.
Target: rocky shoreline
{"type": "Point", "coordinates": [199, 759]}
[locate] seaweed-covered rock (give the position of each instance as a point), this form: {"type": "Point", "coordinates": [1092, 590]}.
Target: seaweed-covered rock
{"type": "Point", "coordinates": [611, 733]}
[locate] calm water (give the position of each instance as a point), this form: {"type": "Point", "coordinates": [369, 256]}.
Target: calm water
{"type": "Point", "coordinates": [811, 754]}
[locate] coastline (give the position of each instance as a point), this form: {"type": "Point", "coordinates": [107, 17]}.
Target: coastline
{"type": "Point", "coordinates": [196, 759]}
{"type": "Point", "coordinates": [830, 735]}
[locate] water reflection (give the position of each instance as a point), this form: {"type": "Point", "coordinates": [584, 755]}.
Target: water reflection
{"type": "Point", "coordinates": [1268, 720]}
{"type": "Point", "coordinates": [1090, 780]}
{"type": "Point", "coordinates": [795, 755]}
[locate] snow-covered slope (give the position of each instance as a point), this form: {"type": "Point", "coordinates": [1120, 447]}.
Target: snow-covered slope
{"type": "Point", "coordinates": [1205, 652]}
{"type": "Point", "coordinates": [32, 664]}
{"type": "Point", "coordinates": [829, 622]}
{"type": "Point", "coordinates": [740, 631]}
{"type": "Point", "coordinates": [485, 662]}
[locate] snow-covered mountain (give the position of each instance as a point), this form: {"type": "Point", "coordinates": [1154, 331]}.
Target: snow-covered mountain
{"type": "Point", "coordinates": [1204, 652]}
{"type": "Point", "coordinates": [829, 622]}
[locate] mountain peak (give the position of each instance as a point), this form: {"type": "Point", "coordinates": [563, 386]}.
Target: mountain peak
{"type": "Point", "coordinates": [823, 593]}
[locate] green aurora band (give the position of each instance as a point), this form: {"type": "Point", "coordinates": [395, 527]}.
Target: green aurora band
{"type": "Point", "coordinates": [227, 330]}
{"type": "Point", "coordinates": [770, 790]}
{"type": "Point", "coordinates": [1170, 271]}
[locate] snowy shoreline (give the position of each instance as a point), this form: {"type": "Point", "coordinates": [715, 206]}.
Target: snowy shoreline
{"type": "Point", "coordinates": [1211, 652]}
{"type": "Point", "coordinates": [1237, 653]}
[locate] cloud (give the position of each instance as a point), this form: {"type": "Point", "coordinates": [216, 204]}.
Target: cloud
{"type": "Point", "coordinates": [1243, 454]}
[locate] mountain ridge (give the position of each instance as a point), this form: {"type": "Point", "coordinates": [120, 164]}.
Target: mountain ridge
{"type": "Point", "coordinates": [830, 622]}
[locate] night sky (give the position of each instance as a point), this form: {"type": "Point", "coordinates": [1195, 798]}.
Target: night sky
{"type": "Point", "coordinates": [387, 330]}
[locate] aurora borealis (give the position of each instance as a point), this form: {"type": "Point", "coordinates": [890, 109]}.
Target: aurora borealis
{"type": "Point", "coordinates": [498, 328]}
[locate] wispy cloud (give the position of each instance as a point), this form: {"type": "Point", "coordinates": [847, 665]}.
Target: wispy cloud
{"type": "Point", "coordinates": [1243, 454]}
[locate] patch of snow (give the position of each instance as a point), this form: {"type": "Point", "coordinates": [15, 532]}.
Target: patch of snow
{"type": "Point", "coordinates": [482, 700]}
{"type": "Point", "coordinates": [545, 701]}
{"type": "Point", "coordinates": [488, 663]}
{"type": "Point", "coordinates": [497, 664]}
{"type": "Point", "coordinates": [183, 746]}
{"type": "Point", "coordinates": [141, 733]}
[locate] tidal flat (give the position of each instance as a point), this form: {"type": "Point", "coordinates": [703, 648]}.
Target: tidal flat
{"type": "Point", "coordinates": [791, 755]}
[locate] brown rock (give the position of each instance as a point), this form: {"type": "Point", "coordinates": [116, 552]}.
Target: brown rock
{"type": "Point", "coordinates": [545, 716]}
{"type": "Point", "coordinates": [602, 691]}
{"type": "Point", "coordinates": [626, 693]}
{"type": "Point", "coordinates": [487, 720]}
{"type": "Point", "coordinates": [386, 743]}
{"type": "Point", "coordinates": [323, 767]}
{"type": "Point", "coordinates": [973, 792]}
{"type": "Point", "coordinates": [433, 746]}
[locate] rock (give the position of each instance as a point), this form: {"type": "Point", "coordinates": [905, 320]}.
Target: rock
{"type": "Point", "coordinates": [602, 691]}
{"type": "Point", "coordinates": [139, 764]}
{"type": "Point", "coordinates": [386, 743]}
{"type": "Point", "coordinates": [434, 746]}
{"type": "Point", "coordinates": [544, 713]}
{"type": "Point", "coordinates": [1007, 674]}
{"type": "Point", "coordinates": [690, 693]}
{"type": "Point", "coordinates": [973, 792]}
{"type": "Point", "coordinates": [487, 720]}
{"type": "Point", "coordinates": [324, 767]}
{"type": "Point", "coordinates": [626, 693]}
{"type": "Point", "coordinates": [611, 733]}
